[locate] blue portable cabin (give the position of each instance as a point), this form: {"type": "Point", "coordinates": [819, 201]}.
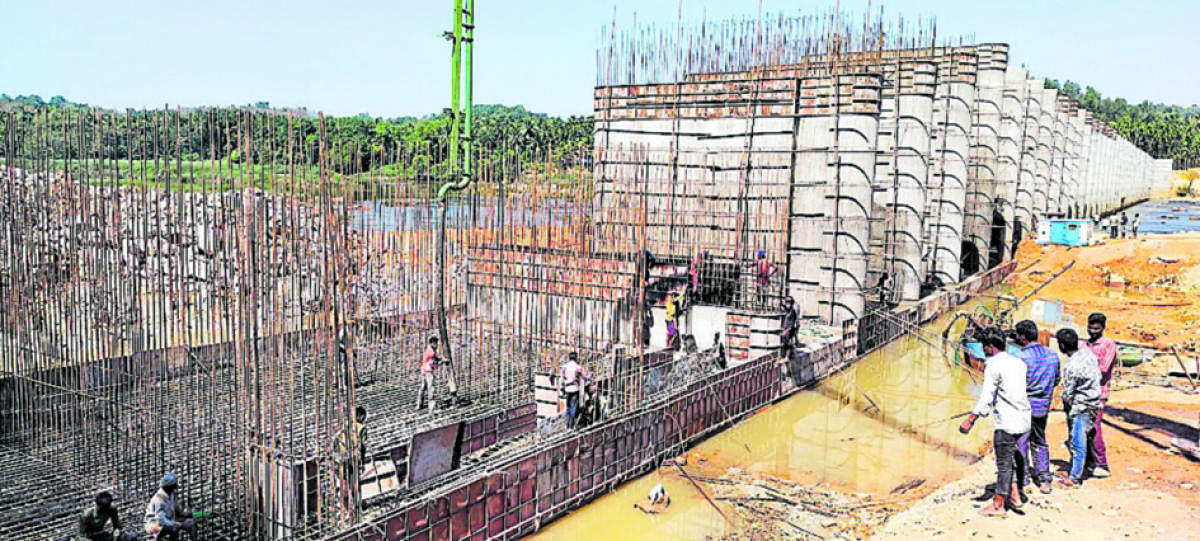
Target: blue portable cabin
{"type": "Point", "coordinates": [1065, 231]}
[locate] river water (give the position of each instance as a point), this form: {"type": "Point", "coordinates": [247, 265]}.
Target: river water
{"type": "Point", "coordinates": [1167, 216]}
{"type": "Point", "coordinates": [829, 434]}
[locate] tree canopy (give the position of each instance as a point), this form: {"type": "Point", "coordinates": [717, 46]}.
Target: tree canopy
{"type": "Point", "coordinates": [1163, 131]}
{"type": "Point", "coordinates": [358, 143]}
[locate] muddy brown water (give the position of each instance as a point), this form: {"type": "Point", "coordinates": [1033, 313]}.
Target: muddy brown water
{"type": "Point", "coordinates": [829, 434]}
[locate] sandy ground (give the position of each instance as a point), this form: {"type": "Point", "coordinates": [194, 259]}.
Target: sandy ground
{"type": "Point", "coordinates": [1149, 287]}
{"type": "Point", "coordinates": [1152, 494]}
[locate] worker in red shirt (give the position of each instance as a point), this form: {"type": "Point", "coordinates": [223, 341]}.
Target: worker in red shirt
{"type": "Point", "coordinates": [429, 360]}
{"type": "Point", "coordinates": [763, 270]}
{"type": "Point", "coordinates": [1105, 350]}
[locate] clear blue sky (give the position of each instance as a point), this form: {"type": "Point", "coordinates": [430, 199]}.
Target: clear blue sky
{"type": "Point", "coordinates": [387, 58]}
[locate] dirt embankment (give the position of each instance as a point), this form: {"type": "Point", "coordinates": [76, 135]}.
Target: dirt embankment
{"type": "Point", "coordinates": [1148, 287]}
{"type": "Point", "coordinates": [1154, 490]}
{"type": "Point", "coordinates": [1152, 494]}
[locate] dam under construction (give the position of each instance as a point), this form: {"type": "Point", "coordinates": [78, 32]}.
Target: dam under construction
{"type": "Point", "coordinates": [215, 292]}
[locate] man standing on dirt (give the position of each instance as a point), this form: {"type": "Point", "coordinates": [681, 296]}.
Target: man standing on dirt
{"type": "Point", "coordinates": [1106, 354]}
{"type": "Point", "coordinates": [1124, 225]}
{"type": "Point", "coordinates": [1081, 400]}
{"type": "Point", "coordinates": [1042, 377]}
{"type": "Point", "coordinates": [1003, 391]}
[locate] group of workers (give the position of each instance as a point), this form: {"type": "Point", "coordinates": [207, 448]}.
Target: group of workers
{"type": "Point", "coordinates": [165, 517]}
{"type": "Point", "coordinates": [1119, 228]}
{"type": "Point", "coordinates": [678, 306]}
{"type": "Point", "coordinates": [1019, 389]}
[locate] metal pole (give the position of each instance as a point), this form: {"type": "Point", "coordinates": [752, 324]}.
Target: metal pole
{"type": "Point", "coordinates": [456, 67]}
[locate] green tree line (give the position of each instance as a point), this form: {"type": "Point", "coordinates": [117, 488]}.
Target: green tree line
{"type": "Point", "coordinates": [353, 144]}
{"type": "Point", "coordinates": [1163, 131]}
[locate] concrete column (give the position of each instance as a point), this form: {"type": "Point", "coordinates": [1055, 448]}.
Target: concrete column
{"type": "Point", "coordinates": [912, 172]}
{"type": "Point", "coordinates": [882, 247]}
{"type": "Point", "coordinates": [906, 114]}
{"type": "Point", "coordinates": [831, 199]}
{"type": "Point", "coordinates": [1027, 162]}
{"type": "Point", "coordinates": [985, 147]}
{"type": "Point", "coordinates": [1058, 153]}
{"type": "Point", "coordinates": [1008, 160]}
{"type": "Point", "coordinates": [1044, 153]}
{"type": "Point", "coordinates": [1089, 161]}
{"type": "Point", "coordinates": [953, 103]}
{"type": "Point", "coordinates": [1072, 195]}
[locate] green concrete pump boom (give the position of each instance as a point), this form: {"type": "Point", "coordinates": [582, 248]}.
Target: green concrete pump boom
{"type": "Point", "coordinates": [462, 37]}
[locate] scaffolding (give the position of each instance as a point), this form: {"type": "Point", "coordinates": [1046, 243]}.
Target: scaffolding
{"type": "Point", "coordinates": [216, 292]}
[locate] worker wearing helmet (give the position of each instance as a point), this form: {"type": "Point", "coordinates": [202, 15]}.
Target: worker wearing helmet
{"type": "Point", "coordinates": [165, 517]}
{"type": "Point", "coordinates": [763, 270]}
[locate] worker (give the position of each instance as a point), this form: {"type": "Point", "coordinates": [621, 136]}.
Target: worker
{"type": "Point", "coordinates": [763, 270]}
{"type": "Point", "coordinates": [672, 331]}
{"type": "Point", "coordinates": [165, 517]}
{"type": "Point", "coordinates": [694, 271]}
{"type": "Point", "coordinates": [885, 288]}
{"type": "Point", "coordinates": [1081, 400]}
{"type": "Point", "coordinates": [594, 408]}
{"type": "Point", "coordinates": [647, 324]}
{"type": "Point", "coordinates": [689, 345]}
{"type": "Point", "coordinates": [570, 381]}
{"type": "Point", "coordinates": [429, 361]}
{"type": "Point", "coordinates": [657, 500]}
{"type": "Point", "coordinates": [1105, 351]}
{"type": "Point", "coordinates": [1135, 224]}
{"type": "Point", "coordinates": [720, 351]}
{"type": "Point", "coordinates": [1124, 224]}
{"type": "Point", "coordinates": [1043, 375]}
{"type": "Point", "coordinates": [1003, 391]}
{"type": "Point", "coordinates": [344, 455]}
{"type": "Point", "coordinates": [683, 310]}
{"type": "Point", "coordinates": [787, 331]}
{"type": "Point", "coordinates": [94, 522]}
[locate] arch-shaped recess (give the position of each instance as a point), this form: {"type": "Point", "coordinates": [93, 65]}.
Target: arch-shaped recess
{"type": "Point", "coordinates": [999, 226]}
{"type": "Point", "coordinates": [969, 258]}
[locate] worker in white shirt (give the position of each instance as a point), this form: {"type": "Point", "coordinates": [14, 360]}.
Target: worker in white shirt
{"type": "Point", "coordinates": [571, 380]}
{"type": "Point", "coordinates": [1003, 391]}
{"type": "Point", "coordinates": [657, 500]}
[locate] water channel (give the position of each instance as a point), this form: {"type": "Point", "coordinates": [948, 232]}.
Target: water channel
{"type": "Point", "coordinates": [827, 434]}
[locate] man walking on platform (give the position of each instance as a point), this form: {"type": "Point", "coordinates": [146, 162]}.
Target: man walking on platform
{"type": "Point", "coordinates": [1004, 392]}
